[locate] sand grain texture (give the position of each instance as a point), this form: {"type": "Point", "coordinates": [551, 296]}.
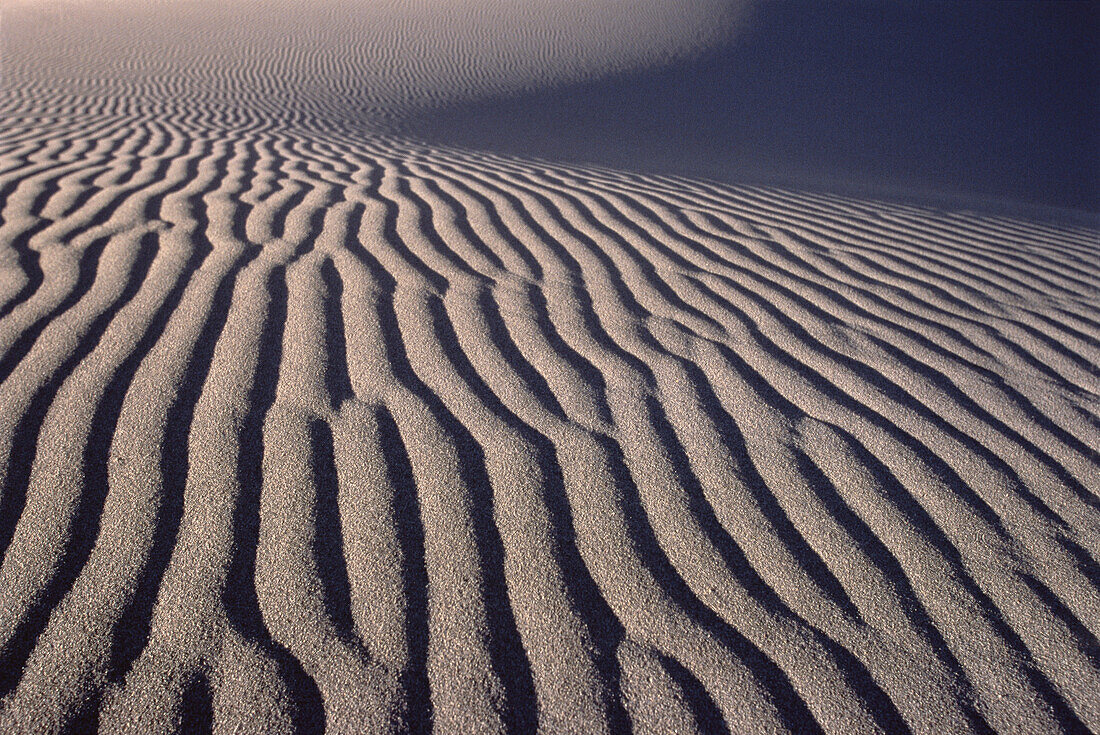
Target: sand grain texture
{"type": "Point", "coordinates": [305, 427]}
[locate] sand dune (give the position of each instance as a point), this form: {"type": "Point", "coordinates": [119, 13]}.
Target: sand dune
{"type": "Point", "coordinates": [306, 429]}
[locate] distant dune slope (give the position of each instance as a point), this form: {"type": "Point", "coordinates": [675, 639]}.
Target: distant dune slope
{"type": "Point", "coordinates": [304, 429]}
{"type": "Point", "coordinates": [357, 60]}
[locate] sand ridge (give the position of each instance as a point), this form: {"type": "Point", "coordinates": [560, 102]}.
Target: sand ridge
{"type": "Point", "coordinates": [303, 429]}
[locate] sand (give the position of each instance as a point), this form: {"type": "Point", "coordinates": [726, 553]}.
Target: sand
{"type": "Point", "coordinates": [307, 425]}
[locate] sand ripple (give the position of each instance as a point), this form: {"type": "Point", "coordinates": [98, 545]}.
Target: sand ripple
{"type": "Point", "coordinates": [306, 430]}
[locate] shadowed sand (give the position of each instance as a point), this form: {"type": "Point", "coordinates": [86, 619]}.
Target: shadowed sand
{"type": "Point", "coordinates": [305, 428]}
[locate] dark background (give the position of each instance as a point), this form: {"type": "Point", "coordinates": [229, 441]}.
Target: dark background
{"type": "Point", "coordinates": [991, 102]}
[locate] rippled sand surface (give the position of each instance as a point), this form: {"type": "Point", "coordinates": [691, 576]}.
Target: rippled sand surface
{"type": "Point", "coordinates": [305, 425]}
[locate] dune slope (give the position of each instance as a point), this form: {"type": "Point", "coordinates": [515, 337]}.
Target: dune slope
{"type": "Point", "coordinates": [304, 429]}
